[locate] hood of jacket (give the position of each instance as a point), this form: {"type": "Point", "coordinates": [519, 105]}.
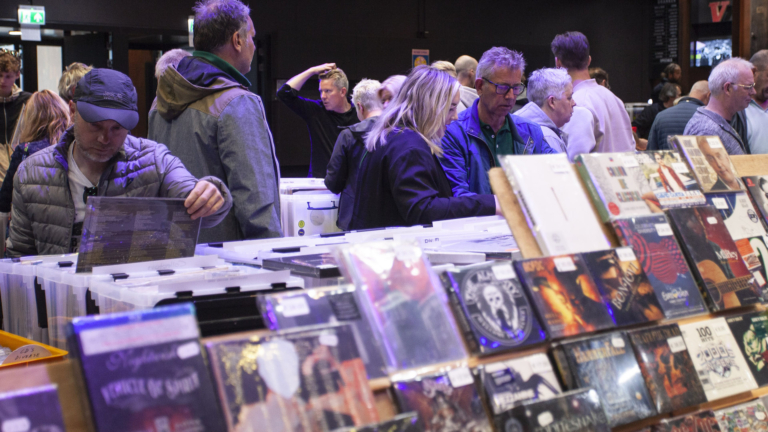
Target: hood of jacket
{"type": "Point", "coordinates": [15, 92]}
{"type": "Point", "coordinates": [193, 79]}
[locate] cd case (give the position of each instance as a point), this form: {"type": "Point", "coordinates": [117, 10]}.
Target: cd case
{"type": "Point", "coordinates": [512, 382]}
{"type": "Point", "coordinates": [314, 265]}
{"type": "Point", "coordinates": [575, 411]}
{"type": "Point", "coordinates": [32, 409]}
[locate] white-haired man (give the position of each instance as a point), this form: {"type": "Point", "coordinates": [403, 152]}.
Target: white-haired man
{"type": "Point", "coordinates": [466, 68]}
{"type": "Point", "coordinates": [348, 152]}
{"type": "Point", "coordinates": [732, 85]}
{"type": "Point", "coordinates": [551, 105]}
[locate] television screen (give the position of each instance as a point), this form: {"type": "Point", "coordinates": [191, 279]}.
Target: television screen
{"type": "Point", "coordinates": [710, 52]}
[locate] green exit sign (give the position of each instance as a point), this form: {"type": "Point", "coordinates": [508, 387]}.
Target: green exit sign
{"type": "Point", "coordinates": [32, 15]}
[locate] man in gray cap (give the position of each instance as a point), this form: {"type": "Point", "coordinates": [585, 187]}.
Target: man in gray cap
{"type": "Point", "coordinates": [97, 157]}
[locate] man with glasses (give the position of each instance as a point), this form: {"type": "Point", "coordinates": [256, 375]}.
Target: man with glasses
{"type": "Point", "coordinates": [486, 130]}
{"type": "Point", "coordinates": [12, 100]}
{"type": "Point", "coordinates": [732, 85]}
{"type": "Point", "coordinates": [752, 123]}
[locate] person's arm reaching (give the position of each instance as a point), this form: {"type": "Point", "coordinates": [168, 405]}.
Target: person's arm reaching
{"type": "Point", "coordinates": [298, 81]}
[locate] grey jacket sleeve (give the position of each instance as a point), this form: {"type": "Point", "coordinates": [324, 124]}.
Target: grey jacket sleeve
{"type": "Point", "coordinates": [21, 241]}
{"type": "Point", "coordinates": [177, 182]}
{"type": "Point", "coordinates": [246, 152]}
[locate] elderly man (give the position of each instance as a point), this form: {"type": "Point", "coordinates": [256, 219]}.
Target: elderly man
{"type": "Point", "coordinates": [732, 85]}
{"type": "Point", "coordinates": [672, 120]}
{"type": "Point", "coordinates": [752, 123]}
{"type": "Point", "coordinates": [466, 70]}
{"type": "Point", "coordinates": [341, 176]}
{"type": "Point", "coordinates": [97, 157]}
{"type": "Point", "coordinates": [209, 119]}
{"type": "Point", "coordinates": [486, 130]}
{"type": "Point", "coordinates": [607, 127]}
{"type": "Point", "coordinates": [551, 105]}
{"type": "Point", "coordinates": [324, 117]}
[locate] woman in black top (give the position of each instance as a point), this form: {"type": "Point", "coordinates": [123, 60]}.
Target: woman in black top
{"type": "Point", "coordinates": [401, 181]}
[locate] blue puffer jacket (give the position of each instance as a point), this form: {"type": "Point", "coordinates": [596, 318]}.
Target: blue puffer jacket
{"type": "Point", "coordinates": [467, 158]}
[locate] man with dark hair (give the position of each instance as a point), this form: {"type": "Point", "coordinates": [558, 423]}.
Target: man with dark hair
{"type": "Point", "coordinates": [600, 76]}
{"type": "Point", "coordinates": [669, 93]}
{"type": "Point", "coordinates": [605, 126]}
{"type": "Point", "coordinates": [672, 120]}
{"type": "Point", "coordinates": [12, 100]}
{"type": "Point", "coordinates": [209, 119]}
{"type": "Point", "coordinates": [671, 74]}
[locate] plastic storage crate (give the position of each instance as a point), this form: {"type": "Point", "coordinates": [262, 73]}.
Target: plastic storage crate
{"type": "Point", "coordinates": [309, 212]}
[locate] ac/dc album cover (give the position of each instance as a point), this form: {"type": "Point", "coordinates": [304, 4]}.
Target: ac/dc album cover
{"type": "Point", "coordinates": [709, 162]}
{"type": "Point", "coordinates": [315, 265]}
{"type": "Point", "coordinates": [751, 416]}
{"type": "Point", "coordinates": [565, 295]}
{"type": "Point", "coordinates": [625, 288]}
{"type": "Point", "coordinates": [329, 305]}
{"type": "Point", "coordinates": [34, 409]}
{"type": "Point", "coordinates": [700, 421]}
{"type": "Point", "coordinates": [491, 307]}
{"type": "Point", "coordinates": [667, 368]}
{"type": "Point", "coordinates": [758, 191]}
{"type": "Point", "coordinates": [407, 422]}
{"type": "Point", "coordinates": [511, 382]}
{"type": "Point", "coordinates": [751, 333]}
{"type": "Point", "coordinates": [405, 301]}
{"type": "Point", "coordinates": [739, 216]}
{"type": "Point", "coordinates": [446, 402]}
{"type": "Point", "coordinates": [718, 264]}
{"type": "Point", "coordinates": [140, 379]}
{"type": "Point", "coordinates": [716, 356]}
{"type": "Point", "coordinates": [309, 379]}
{"type": "Point", "coordinates": [669, 179]}
{"type": "Point", "coordinates": [602, 361]}
{"type": "Point", "coordinates": [616, 185]}
{"type": "Point", "coordinates": [575, 411]}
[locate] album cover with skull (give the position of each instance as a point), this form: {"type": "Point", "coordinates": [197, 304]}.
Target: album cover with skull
{"type": "Point", "coordinates": [491, 307]}
{"type": "Point", "coordinates": [700, 421]}
{"type": "Point", "coordinates": [608, 364]}
{"type": "Point", "coordinates": [751, 333]}
{"type": "Point", "coordinates": [310, 380]}
{"type": "Point", "coordinates": [575, 411]}
{"type": "Point", "coordinates": [446, 402]}
{"type": "Point", "coordinates": [719, 363]}
{"type": "Point", "coordinates": [511, 382]}
{"type": "Point", "coordinates": [667, 368]}
{"type": "Point", "coordinates": [751, 416]}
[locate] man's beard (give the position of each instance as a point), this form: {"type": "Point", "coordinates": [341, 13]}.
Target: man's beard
{"type": "Point", "coordinates": [90, 156]}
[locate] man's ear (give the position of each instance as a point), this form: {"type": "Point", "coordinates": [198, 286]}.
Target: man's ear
{"type": "Point", "coordinates": [72, 110]}
{"type": "Point", "coordinates": [558, 64]}
{"type": "Point", "coordinates": [551, 102]}
{"type": "Point", "coordinates": [237, 41]}
{"type": "Point", "coordinates": [479, 85]}
{"type": "Point", "coordinates": [343, 92]}
{"type": "Point", "coordinates": [589, 62]}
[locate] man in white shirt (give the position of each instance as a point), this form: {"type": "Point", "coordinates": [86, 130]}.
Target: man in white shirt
{"type": "Point", "coordinates": [757, 111]}
{"type": "Point", "coordinates": [605, 126]}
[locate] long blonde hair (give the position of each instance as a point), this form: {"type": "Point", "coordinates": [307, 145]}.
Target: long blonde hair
{"type": "Point", "coordinates": [422, 105]}
{"type": "Point", "coordinates": [46, 116]}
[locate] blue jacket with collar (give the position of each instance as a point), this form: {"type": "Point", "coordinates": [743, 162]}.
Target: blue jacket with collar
{"type": "Point", "coordinates": [467, 157]}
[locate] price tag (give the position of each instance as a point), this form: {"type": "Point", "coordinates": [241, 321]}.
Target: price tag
{"type": "Point", "coordinates": [559, 167]}
{"type": "Point", "coordinates": [460, 377]}
{"type": "Point", "coordinates": [626, 254]}
{"type": "Point", "coordinates": [503, 272]}
{"type": "Point", "coordinates": [617, 342]}
{"type": "Point", "coordinates": [545, 418]}
{"type": "Point", "coordinates": [712, 220]}
{"type": "Point", "coordinates": [540, 363]}
{"type": "Point", "coordinates": [760, 415]}
{"type": "Point", "coordinates": [629, 161]}
{"type": "Point", "coordinates": [720, 203]}
{"type": "Point", "coordinates": [676, 344]}
{"type": "Point", "coordinates": [714, 143]}
{"type": "Point", "coordinates": [296, 306]}
{"type": "Point", "coordinates": [663, 229]}
{"type": "Point", "coordinates": [27, 353]}
{"type": "Point", "coordinates": [188, 350]}
{"type": "Point", "coordinates": [721, 329]}
{"type": "Point", "coordinates": [680, 167]}
{"type": "Point", "coordinates": [564, 264]}
{"type": "Point", "coordinates": [328, 339]}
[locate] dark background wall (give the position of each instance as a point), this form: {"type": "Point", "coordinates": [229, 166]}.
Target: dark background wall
{"type": "Point", "coordinates": [374, 39]}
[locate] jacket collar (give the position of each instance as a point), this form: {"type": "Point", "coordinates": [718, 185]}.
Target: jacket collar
{"type": "Point", "coordinates": [688, 99]}
{"type": "Point", "coordinates": [224, 66]}
{"type": "Point", "coordinates": [363, 126]}
{"type": "Point", "coordinates": [533, 112]}
{"type": "Point", "coordinates": [62, 150]}
{"type": "Point", "coordinates": [472, 124]}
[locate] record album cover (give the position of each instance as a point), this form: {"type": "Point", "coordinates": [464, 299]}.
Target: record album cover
{"type": "Point", "coordinates": [669, 179]}
{"type": "Point", "coordinates": [716, 356]}
{"type": "Point", "coordinates": [602, 361]}
{"type": "Point", "coordinates": [309, 379]}
{"type": "Point", "coordinates": [709, 162]}
{"type": "Point", "coordinates": [34, 409]}
{"type": "Point", "coordinates": [446, 402]}
{"type": "Point", "coordinates": [624, 287]}
{"type": "Point", "coordinates": [407, 422]}
{"type": "Point", "coordinates": [491, 307]}
{"type": "Point", "coordinates": [315, 265]}
{"type": "Point", "coordinates": [575, 411]}
{"type": "Point", "coordinates": [739, 216]}
{"type": "Point", "coordinates": [751, 333]}
{"type": "Point", "coordinates": [700, 421]}
{"type": "Point", "coordinates": [511, 382]}
{"type": "Point", "coordinates": [565, 295]}
{"type": "Point", "coordinates": [751, 416]}
{"type": "Point", "coordinates": [667, 368]}
{"type": "Point", "coordinates": [718, 264]}
{"type": "Point", "coordinates": [655, 246]}
{"type": "Point", "coordinates": [758, 191]}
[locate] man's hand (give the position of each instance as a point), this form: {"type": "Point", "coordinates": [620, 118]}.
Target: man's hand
{"type": "Point", "coordinates": [317, 70]}
{"type": "Point", "coordinates": [204, 200]}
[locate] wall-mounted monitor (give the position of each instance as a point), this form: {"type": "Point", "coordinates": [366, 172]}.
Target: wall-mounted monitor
{"type": "Point", "coordinates": [710, 51]}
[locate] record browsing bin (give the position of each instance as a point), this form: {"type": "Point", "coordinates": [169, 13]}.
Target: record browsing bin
{"type": "Point", "coordinates": [14, 342]}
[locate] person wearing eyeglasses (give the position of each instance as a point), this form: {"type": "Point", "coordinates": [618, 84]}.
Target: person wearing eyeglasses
{"type": "Point", "coordinates": [732, 85]}
{"type": "Point", "coordinates": [12, 100]}
{"type": "Point", "coordinates": [486, 130]}
{"type": "Point", "coordinates": [752, 122]}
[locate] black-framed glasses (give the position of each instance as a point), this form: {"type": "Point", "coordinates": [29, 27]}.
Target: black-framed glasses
{"type": "Point", "coordinates": [89, 191]}
{"type": "Point", "coordinates": [13, 53]}
{"type": "Point", "coordinates": [503, 89]}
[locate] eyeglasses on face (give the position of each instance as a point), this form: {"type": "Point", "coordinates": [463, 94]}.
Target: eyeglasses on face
{"type": "Point", "coordinates": [503, 89]}
{"type": "Point", "coordinates": [744, 86]}
{"type": "Point", "coordinates": [13, 53]}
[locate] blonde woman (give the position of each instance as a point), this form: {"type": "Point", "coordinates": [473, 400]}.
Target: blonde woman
{"type": "Point", "coordinates": [401, 181]}
{"type": "Point", "coordinates": [45, 120]}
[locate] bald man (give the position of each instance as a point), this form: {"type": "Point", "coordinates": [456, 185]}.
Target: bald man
{"type": "Point", "coordinates": [465, 74]}
{"type": "Point", "coordinates": [672, 120]}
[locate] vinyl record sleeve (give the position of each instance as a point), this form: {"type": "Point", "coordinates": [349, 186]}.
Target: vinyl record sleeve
{"type": "Point", "coordinates": [624, 286]}
{"type": "Point", "coordinates": [669, 179]}
{"type": "Point", "coordinates": [564, 294]}
{"type": "Point", "coordinates": [716, 356]}
{"type": "Point", "coordinates": [314, 265]}
{"type": "Point", "coordinates": [709, 162]}
{"type": "Point", "coordinates": [655, 246]}
{"type": "Point", "coordinates": [757, 186]}
{"type": "Point", "coordinates": [700, 421]}
{"type": "Point", "coordinates": [603, 361]}
{"type": "Point", "coordinates": [445, 402]}
{"type": "Point", "coordinates": [751, 416]}
{"type": "Point", "coordinates": [751, 333]}
{"type": "Point", "coordinates": [575, 411]}
{"type": "Point", "coordinates": [309, 379]}
{"type": "Point", "coordinates": [739, 216]}
{"type": "Point", "coordinates": [667, 368]}
{"type": "Point", "coordinates": [499, 247]}
{"type": "Point", "coordinates": [512, 382]}
{"type": "Point", "coordinates": [34, 409]}
{"type": "Point", "coordinates": [491, 307]}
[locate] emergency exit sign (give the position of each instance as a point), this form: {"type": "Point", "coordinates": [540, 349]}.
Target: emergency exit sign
{"type": "Point", "coordinates": [32, 15]}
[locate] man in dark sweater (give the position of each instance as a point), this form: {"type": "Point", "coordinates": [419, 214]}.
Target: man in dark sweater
{"type": "Point", "coordinates": [12, 98]}
{"type": "Point", "coordinates": [672, 121]}
{"type": "Point", "coordinates": [324, 116]}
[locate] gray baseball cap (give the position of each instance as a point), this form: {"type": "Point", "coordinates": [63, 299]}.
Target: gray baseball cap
{"type": "Point", "coordinates": [106, 94]}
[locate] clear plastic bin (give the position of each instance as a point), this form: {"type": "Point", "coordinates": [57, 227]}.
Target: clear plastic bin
{"type": "Point", "coordinates": [309, 212]}
{"type": "Point", "coordinates": [289, 186]}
